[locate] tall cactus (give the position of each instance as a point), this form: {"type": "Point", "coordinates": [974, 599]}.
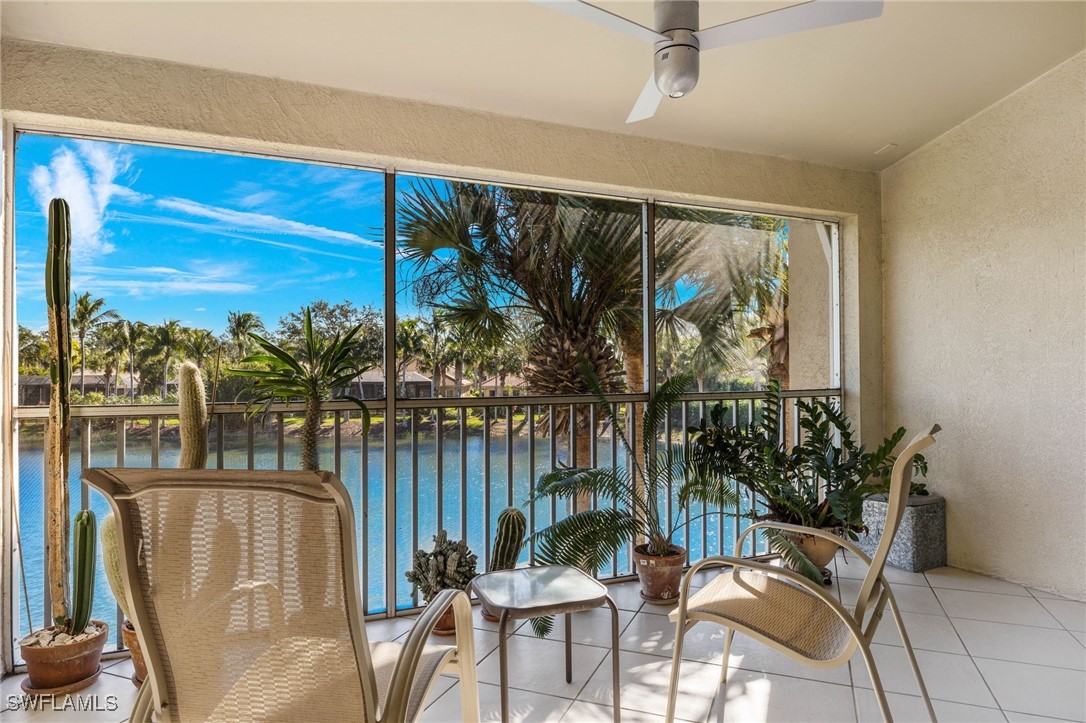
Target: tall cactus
{"type": "Point", "coordinates": [192, 415]}
{"type": "Point", "coordinates": [111, 559]}
{"type": "Point", "coordinates": [58, 298]}
{"type": "Point", "coordinates": [83, 571]}
{"type": "Point", "coordinates": [508, 540]}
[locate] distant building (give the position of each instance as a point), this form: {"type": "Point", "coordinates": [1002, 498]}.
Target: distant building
{"type": "Point", "coordinates": [514, 386]}
{"type": "Point", "coordinates": [371, 385]}
{"type": "Point", "coordinates": [34, 388]}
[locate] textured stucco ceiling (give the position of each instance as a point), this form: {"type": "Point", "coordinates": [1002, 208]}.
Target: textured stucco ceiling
{"type": "Point", "coordinates": [833, 96]}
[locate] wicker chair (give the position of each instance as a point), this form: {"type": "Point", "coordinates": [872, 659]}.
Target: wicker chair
{"type": "Point", "coordinates": [789, 613]}
{"type": "Point", "coordinates": [244, 591]}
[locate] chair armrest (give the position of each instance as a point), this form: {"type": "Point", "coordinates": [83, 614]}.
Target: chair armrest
{"type": "Point", "coordinates": [802, 530]}
{"type": "Point", "coordinates": [738, 562]}
{"type": "Point", "coordinates": [403, 674]}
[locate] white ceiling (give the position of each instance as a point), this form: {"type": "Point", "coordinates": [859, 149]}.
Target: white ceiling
{"type": "Point", "coordinates": [833, 96]}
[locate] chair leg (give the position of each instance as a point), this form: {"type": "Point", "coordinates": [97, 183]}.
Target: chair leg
{"type": "Point", "coordinates": [876, 682]}
{"type": "Point", "coordinates": [912, 657]}
{"type": "Point", "coordinates": [727, 652]}
{"type": "Point", "coordinates": [141, 708]}
{"type": "Point", "coordinates": [676, 661]}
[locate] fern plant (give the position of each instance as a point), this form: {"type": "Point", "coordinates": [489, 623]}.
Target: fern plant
{"type": "Point", "coordinates": [820, 483]}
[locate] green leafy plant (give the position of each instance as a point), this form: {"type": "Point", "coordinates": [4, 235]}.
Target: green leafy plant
{"type": "Point", "coordinates": [821, 483]}
{"type": "Point", "coordinates": [590, 538]}
{"type": "Point", "coordinates": [315, 370]}
{"type": "Point", "coordinates": [451, 565]}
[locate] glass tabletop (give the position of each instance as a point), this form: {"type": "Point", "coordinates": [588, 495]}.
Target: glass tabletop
{"type": "Point", "coordinates": [540, 590]}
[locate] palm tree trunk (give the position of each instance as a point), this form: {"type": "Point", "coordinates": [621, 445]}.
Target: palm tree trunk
{"type": "Point", "coordinates": [458, 370]}
{"type": "Point", "coordinates": [132, 375]}
{"type": "Point", "coordinates": [82, 366]}
{"type": "Point", "coordinates": [309, 433]}
{"type": "Point", "coordinates": [165, 378]}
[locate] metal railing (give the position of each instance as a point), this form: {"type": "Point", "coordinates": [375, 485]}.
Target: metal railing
{"type": "Point", "coordinates": [457, 463]}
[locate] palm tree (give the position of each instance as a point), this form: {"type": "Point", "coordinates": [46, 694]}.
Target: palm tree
{"type": "Point", "coordinates": [88, 314]}
{"type": "Point", "coordinates": [168, 338]}
{"type": "Point", "coordinates": [410, 347]}
{"type": "Point", "coordinates": [133, 334]}
{"type": "Point", "coordinates": [318, 370]}
{"type": "Point", "coordinates": [200, 345]}
{"type": "Point", "coordinates": [111, 341]}
{"type": "Point", "coordinates": [239, 325]}
{"type": "Point", "coordinates": [33, 352]}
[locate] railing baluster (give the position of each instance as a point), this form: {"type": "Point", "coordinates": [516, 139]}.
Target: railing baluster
{"type": "Point", "coordinates": [364, 552]}
{"type": "Point", "coordinates": [463, 473]}
{"type": "Point", "coordinates": [509, 455]}
{"type": "Point", "coordinates": [120, 442]}
{"type": "Point", "coordinates": [414, 431]}
{"type": "Point", "coordinates": [156, 441]}
{"type": "Point", "coordinates": [439, 440]}
{"type": "Point", "coordinates": [337, 442]}
{"type": "Point", "coordinates": [84, 461]}
{"type": "Point", "coordinates": [250, 446]}
{"type": "Point", "coordinates": [280, 442]}
{"type": "Point", "coordinates": [220, 442]}
{"type": "Point", "coordinates": [531, 476]}
{"type": "Point", "coordinates": [486, 485]}
{"type": "Point", "coordinates": [554, 458]}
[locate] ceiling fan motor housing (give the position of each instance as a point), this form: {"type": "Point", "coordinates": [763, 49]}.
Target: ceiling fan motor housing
{"type": "Point", "coordinates": [676, 62]}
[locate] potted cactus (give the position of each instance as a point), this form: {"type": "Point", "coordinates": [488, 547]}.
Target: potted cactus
{"type": "Point", "coordinates": [449, 566]}
{"type": "Point", "coordinates": [65, 656]}
{"type": "Point", "coordinates": [192, 419]}
{"type": "Point", "coordinates": [508, 542]}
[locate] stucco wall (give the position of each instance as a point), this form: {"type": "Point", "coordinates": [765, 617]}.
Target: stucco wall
{"type": "Point", "coordinates": [984, 299]}
{"type": "Point", "coordinates": [107, 92]}
{"type": "Point", "coordinates": [808, 307]}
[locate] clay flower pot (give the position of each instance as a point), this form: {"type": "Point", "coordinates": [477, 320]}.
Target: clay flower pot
{"type": "Point", "coordinates": [660, 575]}
{"type": "Point", "coordinates": [132, 642]}
{"type": "Point", "coordinates": [818, 550]}
{"type": "Point", "coordinates": [62, 669]}
{"type": "Point", "coordinates": [446, 624]}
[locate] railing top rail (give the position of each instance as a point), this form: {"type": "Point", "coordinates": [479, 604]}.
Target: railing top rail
{"type": "Point", "coordinates": [166, 410]}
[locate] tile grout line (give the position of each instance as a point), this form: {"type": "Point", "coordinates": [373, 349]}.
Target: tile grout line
{"type": "Point", "coordinates": [987, 685]}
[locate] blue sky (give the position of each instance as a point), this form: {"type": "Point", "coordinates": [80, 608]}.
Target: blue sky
{"type": "Point", "coordinates": [164, 233]}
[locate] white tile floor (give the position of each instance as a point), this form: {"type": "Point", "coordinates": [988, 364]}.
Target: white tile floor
{"type": "Point", "coordinates": [989, 650]}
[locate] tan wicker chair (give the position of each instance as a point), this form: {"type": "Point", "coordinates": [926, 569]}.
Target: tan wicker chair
{"type": "Point", "coordinates": [791, 614]}
{"type": "Point", "coordinates": [243, 587]}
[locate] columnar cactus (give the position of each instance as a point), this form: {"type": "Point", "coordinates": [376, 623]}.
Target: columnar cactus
{"type": "Point", "coordinates": [57, 298]}
{"type": "Point", "coordinates": [83, 572]}
{"type": "Point", "coordinates": [111, 559]}
{"type": "Point", "coordinates": [508, 540]}
{"type": "Point", "coordinates": [192, 415]}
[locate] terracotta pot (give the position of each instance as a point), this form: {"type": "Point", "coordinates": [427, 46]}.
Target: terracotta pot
{"type": "Point", "coordinates": [660, 575]}
{"type": "Point", "coordinates": [132, 642]}
{"type": "Point", "coordinates": [63, 669]}
{"type": "Point", "coordinates": [446, 624]}
{"type": "Point", "coordinates": [817, 549]}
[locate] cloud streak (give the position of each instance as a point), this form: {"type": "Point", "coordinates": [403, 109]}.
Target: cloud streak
{"type": "Point", "coordinates": [250, 221]}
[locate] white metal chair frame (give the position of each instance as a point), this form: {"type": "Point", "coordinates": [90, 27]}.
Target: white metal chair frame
{"type": "Point", "coordinates": [152, 701]}
{"type": "Point", "coordinates": [875, 588]}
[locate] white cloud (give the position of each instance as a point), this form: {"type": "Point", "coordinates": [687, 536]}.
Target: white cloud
{"type": "Point", "coordinates": [139, 281]}
{"type": "Point", "coordinates": [232, 219]}
{"type": "Point", "coordinates": [85, 175]}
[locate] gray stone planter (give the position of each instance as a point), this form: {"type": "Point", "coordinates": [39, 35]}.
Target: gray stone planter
{"type": "Point", "coordinates": [921, 540]}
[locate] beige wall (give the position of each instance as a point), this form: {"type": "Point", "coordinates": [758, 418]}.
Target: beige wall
{"type": "Point", "coordinates": [808, 307]}
{"type": "Point", "coordinates": [114, 93]}
{"type": "Point", "coordinates": [984, 298]}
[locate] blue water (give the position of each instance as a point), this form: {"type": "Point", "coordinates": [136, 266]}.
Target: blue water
{"type": "Point", "coordinates": [371, 525]}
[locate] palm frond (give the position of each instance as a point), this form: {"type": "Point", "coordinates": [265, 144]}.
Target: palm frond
{"type": "Point", "coordinates": [793, 556]}
{"type": "Point", "coordinates": [586, 540]}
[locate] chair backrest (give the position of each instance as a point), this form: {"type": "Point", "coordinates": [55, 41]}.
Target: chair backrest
{"type": "Point", "coordinates": [243, 587]}
{"type": "Point", "coordinates": [901, 479]}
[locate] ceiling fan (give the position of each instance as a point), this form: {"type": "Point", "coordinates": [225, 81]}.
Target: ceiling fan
{"type": "Point", "coordinates": [678, 41]}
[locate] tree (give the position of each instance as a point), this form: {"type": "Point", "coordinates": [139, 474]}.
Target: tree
{"type": "Point", "coordinates": [410, 348]}
{"type": "Point", "coordinates": [200, 345]}
{"type": "Point", "coordinates": [239, 325]}
{"type": "Point", "coordinates": [133, 335]}
{"type": "Point", "coordinates": [110, 344]}
{"type": "Point", "coordinates": [331, 319]}
{"type": "Point", "coordinates": [168, 339]}
{"type": "Point", "coordinates": [87, 315]}
{"type": "Point", "coordinates": [316, 370]}
{"type": "Point", "coordinates": [33, 352]}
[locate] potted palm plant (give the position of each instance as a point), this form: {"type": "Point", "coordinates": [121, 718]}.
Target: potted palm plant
{"type": "Point", "coordinates": [451, 565]}
{"type": "Point", "coordinates": [821, 482]}
{"type": "Point", "coordinates": [64, 657]}
{"type": "Point", "coordinates": [589, 539]}
{"type": "Point", "coordinates": [317, 370]}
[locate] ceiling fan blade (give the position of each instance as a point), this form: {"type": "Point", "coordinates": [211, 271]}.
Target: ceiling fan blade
{"type": "Point", "coordinates": [647, 102]}
{"type": "Point", "coordinates": [794, 19]}
{"type": "Point", "coordinates": [603, 18]}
